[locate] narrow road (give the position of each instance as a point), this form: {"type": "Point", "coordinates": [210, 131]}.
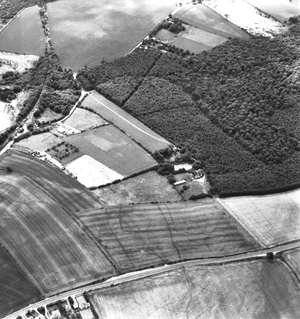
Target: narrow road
{"type": "Point", "coordinates": [133, 125]}
{"type": "Point", "coordinates": [150, 272]}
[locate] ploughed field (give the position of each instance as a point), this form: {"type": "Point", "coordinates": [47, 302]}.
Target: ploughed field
{"type": "Point", "coordinates": [38, 227]}
{"type": "Point", "coordinates": [16, 289]}
{"type": "Point", "coordinates": [139, 236]}
{"type": "Point", "coordinates": [83, 33]}
{"type": "Point", "coordinates": [24, 34]}
{"type": "Point", "coordinates": [252, 289]}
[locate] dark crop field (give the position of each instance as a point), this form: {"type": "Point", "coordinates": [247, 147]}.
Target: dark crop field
{"type": "Point", "coordinates": [85, 32]}
{"type": "Point", "coordinates": [16, 290]}
{"type": "Point", "coordinates": [138, 236]}
{"type": "Point", "coordinates": [24, 34]}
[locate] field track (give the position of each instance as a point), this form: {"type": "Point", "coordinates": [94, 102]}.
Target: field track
{"type": "Point", "coordinates": [150, 234]}
{"type": "Point", "coordinates": [24, 34]}
{"type": "Point", "coordinates": [38, 229]}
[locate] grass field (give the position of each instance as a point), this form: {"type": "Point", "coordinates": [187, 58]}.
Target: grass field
{"type": "Point", "coordinates": [40, 142]}
{"type": "Point", "coordinates": [24, 34]}
{"type": "Point", "coordinates": [114, 149]}
{"type": "Point", "coordinates": [83, 120]}
{"type": "Point", "coordinates": [279, 9]}
{"type": "Point", "coordinates": [292, 257]}
{"type": "Point", "coordinates": [138, 236]}
{"type": "Point", "coordinates": [248, 290]}
{"type": "Point", "coordinates": [203, 18]}
{"type": "Point", "coordinates": [16, 289]}
{"type": "Point", "coordinates": [272, 219]}
{"type": "Point", "coordinates": [138, 131]}
{"type": "Point", "coordinates": [85, 32]}
{"type": "Point", "coordinates": [41, 234]}
{"type": "Point", "coordinates": [145, 188]}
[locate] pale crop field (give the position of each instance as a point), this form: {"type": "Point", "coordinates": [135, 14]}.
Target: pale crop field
{"type": "Point", "coordinates": [248, 290]}
{"type": "Point", "coordinates": [83, 120]}
{"type": "Point", "coordinates": [280, 9]}
{"type": "Point", "coordinates": [271, 219]}
{"type": "Point", "coordinates": [85, 32]}
{"type": "Point", "coordinates": [246, 16]}
{"type": "Point", "coordinates": [206, 19]}
{"type": "Point", "coordinates": [90, 172]}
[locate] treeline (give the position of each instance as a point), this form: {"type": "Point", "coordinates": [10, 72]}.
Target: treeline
{"type": "Point", "coordinates": [136, 65]}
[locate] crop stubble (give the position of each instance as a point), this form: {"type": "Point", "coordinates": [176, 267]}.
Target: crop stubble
{"type": "Point", "coordinates": [254, 289]}
{"type": "Point", "coordinates": [38, 229]}
{"type": "Point", "coordinates": [144, 235]}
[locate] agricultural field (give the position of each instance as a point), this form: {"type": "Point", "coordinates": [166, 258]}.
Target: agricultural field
{"type": "Point", "coordinates": [16, 289]}
{"type": "Point", "coordinates": [124, 121]}
{"type": "Point", "coordinates": [143, 235]}
{"type": "Point", "coordinates": [279, 9]}
{"type": "Point", "coordinates": [40, 142]}
{"type": "Point", "coordinates": [203, 18]}
{"type": "Point", "coordinates": [63, 189]}
{"type": "Point", "coordinates": [252, 289]}
{"type": "Point", "coordinates": [292, 257]}
{"type": "Point", "coordinates": [145, 188]}
{"type": "Point", "coordinates": [83, 120]}
{"type": "Point", "coordinates": [271, 219]}
{"type": "Point", "coordinates": [26, 32]}
{"type": "Point", "coordinates": [85, 33]}
{"type": "Point", "coordinates": [245, 16]}
{"type": "Point", "coordinates": [41, 233]}
{"type": "Point", "coordinates": [92, 173]}
{"type": "Point", "coordinates": [114, 149]}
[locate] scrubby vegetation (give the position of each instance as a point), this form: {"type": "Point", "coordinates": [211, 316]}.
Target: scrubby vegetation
{"type": "Point", "coordinates": [60, 91]}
